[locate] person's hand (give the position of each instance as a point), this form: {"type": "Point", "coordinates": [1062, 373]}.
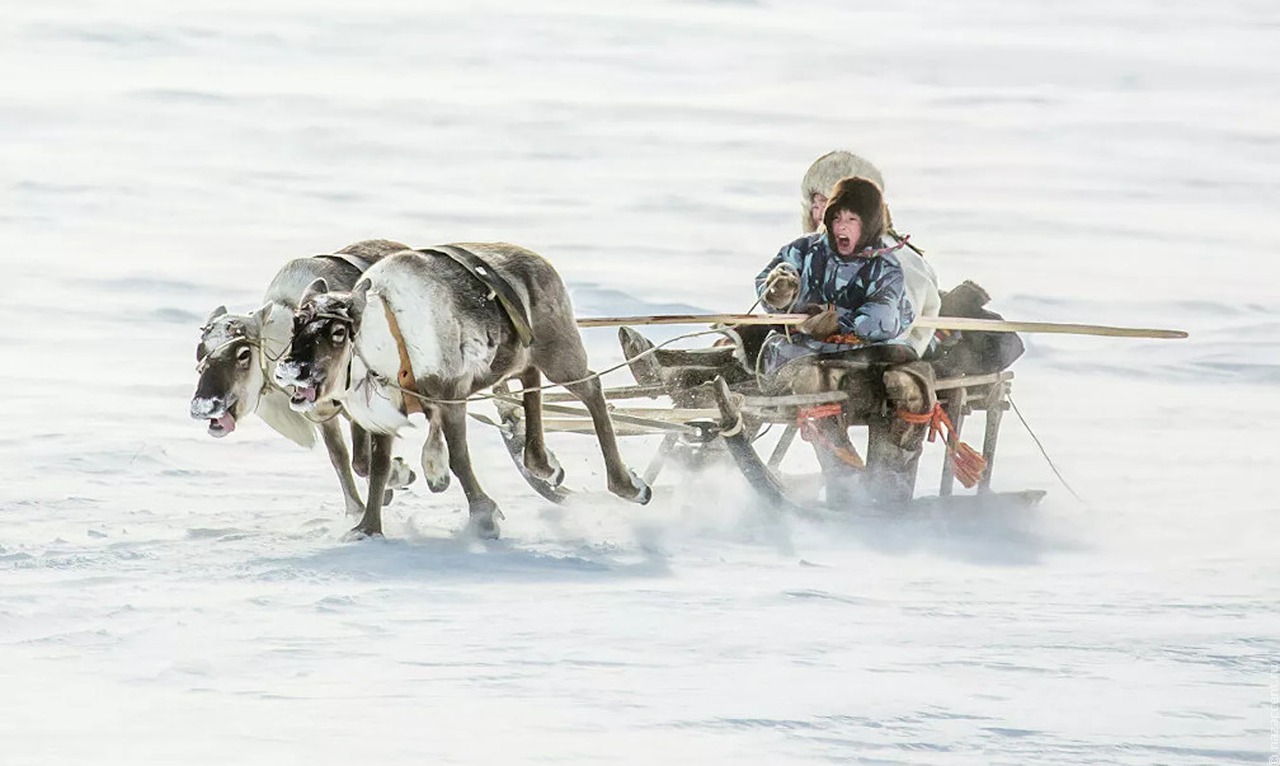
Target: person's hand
{"type": "Point", "coordinates": [781, 287]}
{"type": "Point", "coordinates": [821, 324]}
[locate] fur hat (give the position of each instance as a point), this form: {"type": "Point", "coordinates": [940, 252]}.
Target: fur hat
{"type": "Point", "coordinates": [825, 172]}
{"type": "Point", "coordinates": [857, 195]}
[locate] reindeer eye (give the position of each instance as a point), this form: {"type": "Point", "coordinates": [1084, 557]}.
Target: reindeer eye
{"type": "Point", "coordinates": [339, 335]}
{"type": "Point", "coordinates": [244, 355]}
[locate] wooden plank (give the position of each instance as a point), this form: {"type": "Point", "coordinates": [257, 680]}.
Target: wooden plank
{"type": "Point", "coordinates": [659, 458]}
{"type": "Point", "coordinates": [617, 392]}
{"type": "Point", "coordinates": [937, 323]}
{"type": "Point", "coordinates": [784, 444]}
{"type": "Point", "coordinates": [954, 406]}
{"type": "Point", "coordinates": [969, 381]}
{"type": "Point", "coordinates": [582, 412]}
{"type": "Point", "coordinates": [995, 411]}
{"type": "Point", "coordinates": [793, 400]}
{"type": "Point", "coordinates": [587, 428]}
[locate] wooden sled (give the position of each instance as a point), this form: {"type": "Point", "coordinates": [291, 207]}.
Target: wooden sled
{"type": "Point", "coordinates": [717, 411]}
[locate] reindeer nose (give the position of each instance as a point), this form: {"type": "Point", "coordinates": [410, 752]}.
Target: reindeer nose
{"type": "Point", "coordinates": [203, 408]}
{"type": "Point", "coordinates": [304, 370]}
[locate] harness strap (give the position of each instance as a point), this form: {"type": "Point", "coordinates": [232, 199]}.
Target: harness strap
{"type": "Point", "coordinates": [406, 379]}
{"type": "Point", "coordinates": [805, 419]}
{"type": "Point", "coordinates": [499, 288]}
{"type": "Point", "coordinates": [966, 463]}
{"type": "Point", "coordinates": [359, 263]}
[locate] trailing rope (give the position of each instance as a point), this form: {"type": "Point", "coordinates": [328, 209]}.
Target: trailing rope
{"type": "Point", "coordinates": [1045, 453]}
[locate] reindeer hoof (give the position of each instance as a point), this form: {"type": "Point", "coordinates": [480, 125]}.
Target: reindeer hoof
{"type": "Point", "coordinates": [483, 526]}
{"type": "Point", "coordinates": [637, 491]}
{"type": "Point", "coordinates": [483, 522]}
{"type": "Point", "coordinates": [355, 508]}
{"type": "Point", "coordinates": [360, 533]}
{"type": "Point", "coordinates": [553, 478]}
{"type": "Point", "coordinates": [435, 469]}
{"type": "Point", "coordinates": [401, 474]}
{"type": "Point", "coordinates": [548, 470]}
{"type": "Point", "coordinates": [387, 494]}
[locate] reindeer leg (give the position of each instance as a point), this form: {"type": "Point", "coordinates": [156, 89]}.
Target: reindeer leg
{"type": "Point", "coordinates": [401, 474]}
{"type": "Point", "coordinates": [623, 482]}
{"type": "Point", "coordinates": [359, 450]}
{"type": "Point", "coordinates": [484, 512]}
{"type": "Point", "coordinates": [379, 467]}
{"type": "Point", "coordinates": [538, 460]}
{"type": "Point", "coordinates": [435, 460]}
{"type": "Point", "coordinates": [564, 359]}
{"type": "Point", "coordinates": [336, 445]}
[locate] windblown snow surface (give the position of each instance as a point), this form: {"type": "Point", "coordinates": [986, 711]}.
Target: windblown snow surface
{"type": "Point", "coordinates": [167, 598]}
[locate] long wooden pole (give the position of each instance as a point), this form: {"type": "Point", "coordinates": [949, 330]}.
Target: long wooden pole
{"type": "Point", "coordinates": [937, 323]}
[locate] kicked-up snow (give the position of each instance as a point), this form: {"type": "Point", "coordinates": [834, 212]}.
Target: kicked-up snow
{"type": "Point", "coordinates": [169, 598]}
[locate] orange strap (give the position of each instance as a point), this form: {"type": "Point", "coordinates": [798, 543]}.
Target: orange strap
{"type": "Point", "coordinates": [809, 432]}
{"type": "Point", "coordinates": [411, 403]}
{"type": "Point", "coordinates": [847, 339]}
{"type": "Point", "coordinates": [966, 463]}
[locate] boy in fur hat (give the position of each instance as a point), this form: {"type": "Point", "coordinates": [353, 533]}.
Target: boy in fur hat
{"type": "Point", "coordinates": [873, 309]}
{"type": "Point", "coordinates": [847, 278]}
{"type": "Point", "coordinates": [920, 279]}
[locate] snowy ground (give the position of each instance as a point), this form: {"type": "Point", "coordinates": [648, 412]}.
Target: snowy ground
{"type": "Point", "coordinates": [165, 598]}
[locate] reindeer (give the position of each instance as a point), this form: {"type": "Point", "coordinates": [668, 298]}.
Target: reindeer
{"type": "Point", "coordinates": [236, 350]}
{"type": "Point", "coordinates": [424, 327]}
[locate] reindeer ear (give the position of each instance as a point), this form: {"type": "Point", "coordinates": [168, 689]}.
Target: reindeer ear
{"type": "Point", "coordinates": [318, 287]}
{"type": "Point", "coordinates": [258, 320]}
{"type": "Point", "coordinates": [219, 311]}
{"type": "Point", "coordinates": [359, 298]}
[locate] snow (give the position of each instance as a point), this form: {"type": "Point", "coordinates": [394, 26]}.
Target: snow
{"type": "Point", "coordinates": [169, 598]}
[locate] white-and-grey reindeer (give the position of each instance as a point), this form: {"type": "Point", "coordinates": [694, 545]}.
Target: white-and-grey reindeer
{"type": "Point", "coordinates": [236, 353]}
{"type": "Point", "coordinates": [457, 340]}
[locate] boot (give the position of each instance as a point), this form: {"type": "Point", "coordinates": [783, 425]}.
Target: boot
{"type": "Point", "coordinates": [842, 480]}
{"type": "Point", "coordinates": [893, 444]}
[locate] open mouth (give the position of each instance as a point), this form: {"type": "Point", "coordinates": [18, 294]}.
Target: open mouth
{"type": "Point", "coordinates": [302, 395]}
{"type": "Point", "coordinates": [223, 425]}
{"type": "Point", "coordinates": [843, 242]}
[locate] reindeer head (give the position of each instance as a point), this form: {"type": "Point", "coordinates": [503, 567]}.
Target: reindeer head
{"type": "Point", "coordinates": [230, 367]}
{"type": "Point", "coordinates": [317, 366]}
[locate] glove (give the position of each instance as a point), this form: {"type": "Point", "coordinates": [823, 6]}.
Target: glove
{"type": "Point", "coordinates": [822, 324]}
{"type": "Point", "coordinates": [781, 287]}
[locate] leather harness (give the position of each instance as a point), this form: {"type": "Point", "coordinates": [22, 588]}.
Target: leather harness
{"type": "Point", "coordinates": [359, 263]}
{"type": "Point", "coordinates": [499, 289]}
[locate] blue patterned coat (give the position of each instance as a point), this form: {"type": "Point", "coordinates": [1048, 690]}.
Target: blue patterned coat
{"type": "Point", "coordinates": [867, 289]}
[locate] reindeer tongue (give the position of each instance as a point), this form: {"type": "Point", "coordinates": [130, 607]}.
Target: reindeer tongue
{"type": "Point", "coordinates": [308, 393]}
{"type": "Point", "coordinates": [222, 426]}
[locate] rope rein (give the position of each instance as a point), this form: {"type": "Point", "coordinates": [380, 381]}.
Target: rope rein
{"type": "Point", "coordinates": [388, 383]}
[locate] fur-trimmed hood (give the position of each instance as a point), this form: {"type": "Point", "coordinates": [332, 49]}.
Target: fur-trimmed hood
{"type": "Point", "coordinates": [823, 175]}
